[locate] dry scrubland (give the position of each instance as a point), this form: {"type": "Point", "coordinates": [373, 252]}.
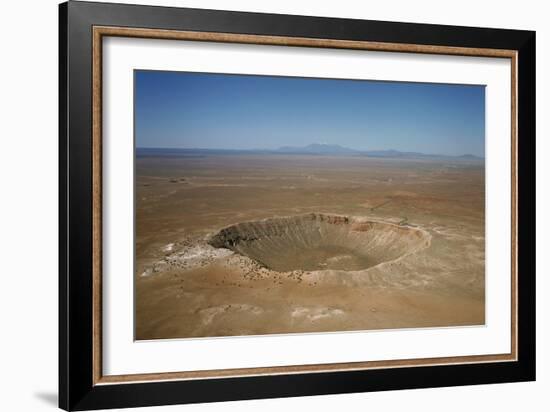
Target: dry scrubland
{"type": "Point", "coordinates": [259, 244]}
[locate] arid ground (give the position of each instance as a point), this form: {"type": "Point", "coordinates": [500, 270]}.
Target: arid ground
{"type": "Point", "coordinates": [262, 244]}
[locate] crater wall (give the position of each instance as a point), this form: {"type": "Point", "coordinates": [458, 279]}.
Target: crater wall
{"type": "Point", "coordinates": [316, 242]}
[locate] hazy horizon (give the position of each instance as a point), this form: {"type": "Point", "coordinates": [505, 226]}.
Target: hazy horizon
{"type": "Point", "coordinates": [260, 149]}
{"type": "Point", "coordinates": [180, 110]}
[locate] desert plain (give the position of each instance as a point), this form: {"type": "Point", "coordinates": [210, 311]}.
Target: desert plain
{"type": "Point", "coordinates": [254, 244]}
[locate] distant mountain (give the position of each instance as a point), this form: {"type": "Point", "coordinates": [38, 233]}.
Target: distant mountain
{"type": "Point", "coordinates": [416, 155]}
{"type": "Point", "coordinates": [470, 156]}
{"type": "Point", "coordinates": [317, 148]}
{"type": "Point", "coordinates": [334, 149]}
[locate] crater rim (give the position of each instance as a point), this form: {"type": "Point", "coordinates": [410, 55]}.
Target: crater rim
{"type": "Point", "coordinates": [315, 242]}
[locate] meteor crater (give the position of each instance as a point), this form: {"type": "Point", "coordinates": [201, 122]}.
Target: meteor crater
{"type": "Point", "coordinates": [316, 242]}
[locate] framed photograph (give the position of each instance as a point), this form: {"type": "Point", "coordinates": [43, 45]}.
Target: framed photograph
{"type": "Point", "coordinates": [256, 205]}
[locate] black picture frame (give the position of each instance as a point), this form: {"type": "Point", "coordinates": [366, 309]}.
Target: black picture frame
{"type": "Point", "coordinates": [77, 390]}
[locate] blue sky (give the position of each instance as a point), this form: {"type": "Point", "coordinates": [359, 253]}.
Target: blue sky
{"type": "Point", "coordinates": [200, 110]}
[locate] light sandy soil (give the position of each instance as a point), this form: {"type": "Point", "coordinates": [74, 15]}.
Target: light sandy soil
{"type": "Point", "coordinates": [185, 287]}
